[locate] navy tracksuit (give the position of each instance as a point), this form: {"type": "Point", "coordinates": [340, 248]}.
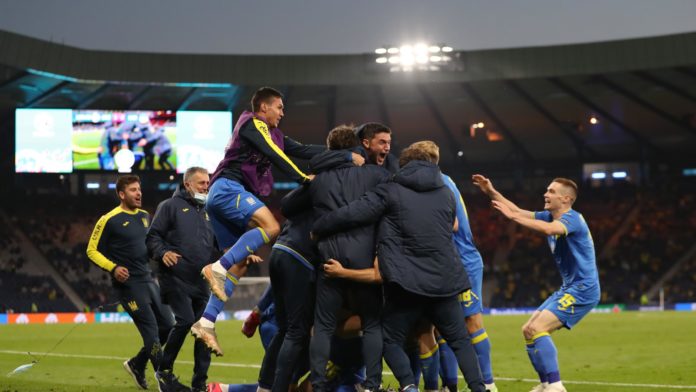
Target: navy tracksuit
{"type": "Point", "coordinates": [182, 225]}
{"type": "Point", "coordinates": [421, 270]}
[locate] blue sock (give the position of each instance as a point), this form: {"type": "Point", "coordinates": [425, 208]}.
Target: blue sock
{"type": "Point", "coordinates": [215, 306]}
{"type": "Point", "coordinates": [448, 364]}
{"type": "Point", "coordinates": [548, 355]}
{"type": "Point", "coordinates": [482, 346]}
{"type": "Point", "coordinates": [247, 244]}
{"type": "Point", "coordinates": [242, 387]}
{"type": "Point", "coordinates": [534, 359]}
{"type": "Point", "coordinates": [430, 365]}
{"type": "Point", "coordinates": [414, 359]}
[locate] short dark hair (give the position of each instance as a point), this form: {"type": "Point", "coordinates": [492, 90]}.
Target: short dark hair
{"type": "Point", "coordinates": [124, 181]}
{"type": "Point", "coordinates": [342, 137]}
{"type": "Point", "coordinates": [412, 153]}
{"type": "Point", "coordinates": [193, 170]}
{"type": "Point", "coordinates": [570, 184]}
{"type": "Point", "coordinates": [264, 94]}
{"type": "Point", "coordinates": [370, 129]}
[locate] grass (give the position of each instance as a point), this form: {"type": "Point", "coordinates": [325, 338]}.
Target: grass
{"type": "Point", "coordinates": [605, 349]}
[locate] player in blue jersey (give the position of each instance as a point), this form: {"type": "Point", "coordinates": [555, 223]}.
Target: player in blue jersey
{"type": "Point", "coordinates": [573, 251]}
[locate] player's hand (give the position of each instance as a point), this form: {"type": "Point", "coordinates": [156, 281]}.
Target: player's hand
{"type": "Point", "coordinates": [310, 176]}
{"type": "Point", "coordinates": [121, 274]}
{"type": "Point", "coordinates": [170, 258]}
{"type": "Point", "coordinates": [358, 159]}
{"type": "Point", "coordinates": [504, 209]}
{"type": "Point", "coordinates": [312, 236]}
{"type": "Point", "coordinates": [483, 183]}
{"type": "Point", "coordinates": [333, 268]}
{"type": "Point", "coordinates": [253, 259]}
{"type": "Point", "coordinates": [142, 142]}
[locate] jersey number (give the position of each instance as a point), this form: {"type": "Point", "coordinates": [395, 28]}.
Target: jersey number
{"type": "Point", "coordinates": [566, 302]}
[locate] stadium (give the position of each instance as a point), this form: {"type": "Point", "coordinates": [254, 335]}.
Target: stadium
{"type": "Point", "coordinates": [524, 93]}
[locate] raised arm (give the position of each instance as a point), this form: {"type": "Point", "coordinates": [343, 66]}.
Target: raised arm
{"type": "Point", "coordinates": [258, 135]}
{"type": "Point", "coordinates": [486, 186]}
{"type": "Point", "coordinates": [299, 150]}
{"type": "Point", "coordinates": [528, 220]}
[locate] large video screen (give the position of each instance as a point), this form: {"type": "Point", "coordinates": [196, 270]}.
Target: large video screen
{"type": "Point", "coordinates": [62, 141]}
{"type": "Point", "coordinates": [44, 143]}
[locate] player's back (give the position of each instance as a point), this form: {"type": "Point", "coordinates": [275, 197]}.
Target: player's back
{"type": "Point", "coordinates": [463, 237]}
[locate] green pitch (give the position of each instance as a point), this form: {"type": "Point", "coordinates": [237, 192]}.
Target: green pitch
{"type": "Point", "coordinates": [88, 141]}
{"type": "Point", "coordinates": [606, 352]}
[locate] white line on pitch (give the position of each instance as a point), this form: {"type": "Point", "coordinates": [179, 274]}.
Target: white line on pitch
{"type": "Point", "coordinates": [244, 365]}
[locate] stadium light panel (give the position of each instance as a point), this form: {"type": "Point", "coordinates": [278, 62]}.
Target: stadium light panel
{"type": "Point", "coordinates": [593, 120]}
{"type": "Point", "coordinates": [619, 174]}
{"type": "Point", "coordinates": [92, 185]}
{"type": "Point", "coordinates": [414, 57]}
{"type": "Point", "coordinates": [599, 175]}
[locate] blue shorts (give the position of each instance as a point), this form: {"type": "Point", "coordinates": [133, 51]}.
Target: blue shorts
{"type": "Point", "coordinates": [570, 305]}
{"type": "Point", "coordinates": [230, 208]}
{"type": "Point", "coordinates": [472, 303]}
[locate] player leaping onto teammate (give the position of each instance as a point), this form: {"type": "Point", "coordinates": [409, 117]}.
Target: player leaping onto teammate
{"type": "Point", "coordinates": [573, 251]}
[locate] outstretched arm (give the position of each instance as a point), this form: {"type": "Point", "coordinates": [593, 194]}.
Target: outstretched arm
{"type": "Point", "coordinates": [367, 209]}
{"type": "Point", "coordinates": [486, 187]}
{"type": "Point", "coordinates": [334, 269]}
{"type": "Point", "coordinates": [526, 219]}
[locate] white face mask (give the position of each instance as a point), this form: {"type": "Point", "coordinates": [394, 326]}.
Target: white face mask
{"type": "Point", "coordinates": [200, 197]}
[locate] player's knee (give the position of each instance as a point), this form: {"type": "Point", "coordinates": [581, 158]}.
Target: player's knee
{"type": "Point", "coordinates": [527, 332]}
{"type": "Point", "coordinates": [272, 229]}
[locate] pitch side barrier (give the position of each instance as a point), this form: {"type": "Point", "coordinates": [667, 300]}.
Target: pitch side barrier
{"type": "Point", "coordinates": [123, 317]}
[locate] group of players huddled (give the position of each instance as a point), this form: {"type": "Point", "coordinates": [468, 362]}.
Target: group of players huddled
{"type": "Point", "coordinates": [375, 261]}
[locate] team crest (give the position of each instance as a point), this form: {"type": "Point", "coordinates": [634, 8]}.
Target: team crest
{"type": "Point", "coordinates": [185, 209]}
{"type": "Point", "coordinates": [250, 200]}
{"type": "Point", "coordinates": [133, 306]}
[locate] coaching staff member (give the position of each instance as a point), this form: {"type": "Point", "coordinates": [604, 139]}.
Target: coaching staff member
{"type": "Point", "coordinates": [181, 239]}
{"type": "Point", "coordinates": [117, 245]}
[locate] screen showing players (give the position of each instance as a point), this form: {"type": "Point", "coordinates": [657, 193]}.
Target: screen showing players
{"type": "Point", "coordinates": [124, 140]}
{"type": "Point", "coordinates": [64, 140]}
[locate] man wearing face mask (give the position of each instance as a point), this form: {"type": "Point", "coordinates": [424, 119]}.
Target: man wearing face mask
{"type": "Point", "coordinates": [181, 239]}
